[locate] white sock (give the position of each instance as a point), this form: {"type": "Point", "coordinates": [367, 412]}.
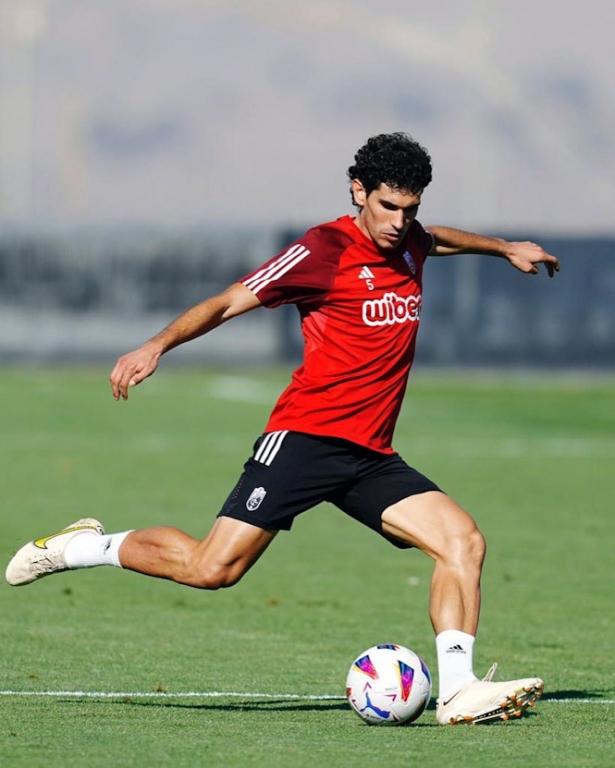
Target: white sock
{"type": "Point", "coordinates": [85, 550]}
{"type": "Point", "coordinates": [455, 667]}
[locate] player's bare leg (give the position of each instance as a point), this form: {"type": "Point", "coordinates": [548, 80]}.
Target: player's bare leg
{"type": "Point", "coordinates": [219, 560]}
{"type": "Point", "coordinates": [435, 524]}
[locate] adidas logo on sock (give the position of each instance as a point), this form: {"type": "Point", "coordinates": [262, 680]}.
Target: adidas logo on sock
{"type": "Point", "coordinates": [455, 649]}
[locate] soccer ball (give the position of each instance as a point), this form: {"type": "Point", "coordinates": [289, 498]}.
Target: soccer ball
{"type": "Point", "coordinates": [388, 685]}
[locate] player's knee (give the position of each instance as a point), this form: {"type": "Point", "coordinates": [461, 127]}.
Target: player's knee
{"type": "Point", "coordinates": [466, 548]}
{"type": "Point", "coordinates": [476, 547]}
{"type": "Point", "coordinates": [471, 548]}
{"type": "Point", "coordinates": [216, 577]}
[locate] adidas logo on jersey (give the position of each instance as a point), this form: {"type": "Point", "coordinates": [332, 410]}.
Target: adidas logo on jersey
{"type": "Point", "coordinates": [367, 275]}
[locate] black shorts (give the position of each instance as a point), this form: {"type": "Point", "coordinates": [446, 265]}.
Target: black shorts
{"type": "Point", "coordinates": [290, 472]}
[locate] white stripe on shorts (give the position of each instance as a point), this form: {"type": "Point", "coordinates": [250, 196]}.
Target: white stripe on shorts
{"type": "Point", "coordinates": [269, 448]}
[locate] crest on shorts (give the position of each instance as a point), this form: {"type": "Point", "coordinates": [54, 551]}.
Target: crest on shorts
{"type": "Point", "coordinates": [254, 502]}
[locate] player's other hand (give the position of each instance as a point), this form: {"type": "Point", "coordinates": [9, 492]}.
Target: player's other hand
{"type": "Point", "coordinates": [131, 369]}
{"type": "Point", "coordinates": [527, 256]}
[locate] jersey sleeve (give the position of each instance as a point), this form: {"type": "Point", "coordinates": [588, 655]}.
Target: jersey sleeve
{"type": "Point", "coordinates": [303, 273]}
{"type": "Point", "coordinates": [422, 238]}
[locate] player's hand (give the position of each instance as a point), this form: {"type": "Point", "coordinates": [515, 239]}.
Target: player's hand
{"type": "Point", "coordinates": [527, 256]}
{"type": "Point", "coordinates": [132, 369]}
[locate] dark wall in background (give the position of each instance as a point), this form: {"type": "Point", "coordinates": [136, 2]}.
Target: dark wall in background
{"type": "Point", "coordinates": [477, 310]}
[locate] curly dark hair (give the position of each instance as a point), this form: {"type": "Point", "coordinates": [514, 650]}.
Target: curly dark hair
{"type": "Point", "coordinates": [394, 159]}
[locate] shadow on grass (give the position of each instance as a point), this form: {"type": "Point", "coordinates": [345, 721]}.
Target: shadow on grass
{"type": "Point", "coordinates": [559, 695]}
{"type": "Point", "coordinates": [246, 706]}
{"type": "Point", "coordinates": [263, 706]}
{"type": "Point", "coordinates": [233, 706]}
{"type": "Point", "coordinates": [315, 706]}
{"type": "Point", "coordinates": [308, 706]}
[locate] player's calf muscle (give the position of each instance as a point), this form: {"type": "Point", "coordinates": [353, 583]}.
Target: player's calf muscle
{"type": "Point", "coordinates": [162, 551]}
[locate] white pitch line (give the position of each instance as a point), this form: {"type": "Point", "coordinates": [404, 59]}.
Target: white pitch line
{"type": "Point", "coordinates": [181, 695]}
{"type": "Point", "coordinates": [579, 701]}
{"type": "Point", "coordinates": [242, 389]}
{"type": "Point", "coordinates": [231, 694]}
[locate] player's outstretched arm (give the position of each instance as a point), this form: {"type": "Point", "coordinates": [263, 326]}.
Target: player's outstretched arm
{"type": "Point", "coordinates": [131, 369]}
{"type": "Point", "coordinates": [524, 256]}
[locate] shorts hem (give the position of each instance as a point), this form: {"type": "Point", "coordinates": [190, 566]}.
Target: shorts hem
{"type": "Point", "coordinates": [253, 521]}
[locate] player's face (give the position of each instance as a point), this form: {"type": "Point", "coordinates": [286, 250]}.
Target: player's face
{"type": "Point", "coordinates": [386, 214]}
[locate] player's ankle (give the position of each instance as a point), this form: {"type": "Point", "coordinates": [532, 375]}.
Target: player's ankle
{"type": "Point", "coordinates": [455, 665]}
{"type": "Point", "coordinates": [90, 550]}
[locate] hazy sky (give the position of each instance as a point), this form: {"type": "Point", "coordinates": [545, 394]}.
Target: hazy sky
{"type": "Point", "coordinates": [201, 111]}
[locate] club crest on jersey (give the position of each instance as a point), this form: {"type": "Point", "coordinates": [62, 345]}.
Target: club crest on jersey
{"type": "Point", "coordinates": [410, 261]}
{"type": "Point", "coordinates": [257, 495]}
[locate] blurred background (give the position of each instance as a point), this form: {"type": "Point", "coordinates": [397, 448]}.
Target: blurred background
{"type": "Point", "coordinates": [152, 152]}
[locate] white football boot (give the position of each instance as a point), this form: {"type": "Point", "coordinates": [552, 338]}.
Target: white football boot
{"type": "Point", "coordinates": [45, 556]}
{"type": "Point", "coordinates": [483, 700]}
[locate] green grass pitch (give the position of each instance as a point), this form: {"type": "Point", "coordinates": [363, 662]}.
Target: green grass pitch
{"type": "Point", "coordinates": [531, 458]}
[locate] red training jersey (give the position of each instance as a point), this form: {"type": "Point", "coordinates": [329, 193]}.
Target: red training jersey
{"type": "Point", "coordinates": [360, 314]}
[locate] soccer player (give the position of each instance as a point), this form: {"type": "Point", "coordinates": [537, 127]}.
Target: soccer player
{"type": "Point", "coordinates": [357, 283]}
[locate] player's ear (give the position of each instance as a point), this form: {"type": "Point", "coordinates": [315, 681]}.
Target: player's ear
{"type": "Point", "coordinates": [359, 194]}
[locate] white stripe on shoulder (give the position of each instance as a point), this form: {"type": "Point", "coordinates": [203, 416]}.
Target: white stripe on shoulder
{"type": "Point", "coordinates": [282, 259]}
{"type": "Point", "coordinates": [277, 268]}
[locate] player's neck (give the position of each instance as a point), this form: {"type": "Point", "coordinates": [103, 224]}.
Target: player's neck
{"type": "Point", "coordinates": [388, 253]}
